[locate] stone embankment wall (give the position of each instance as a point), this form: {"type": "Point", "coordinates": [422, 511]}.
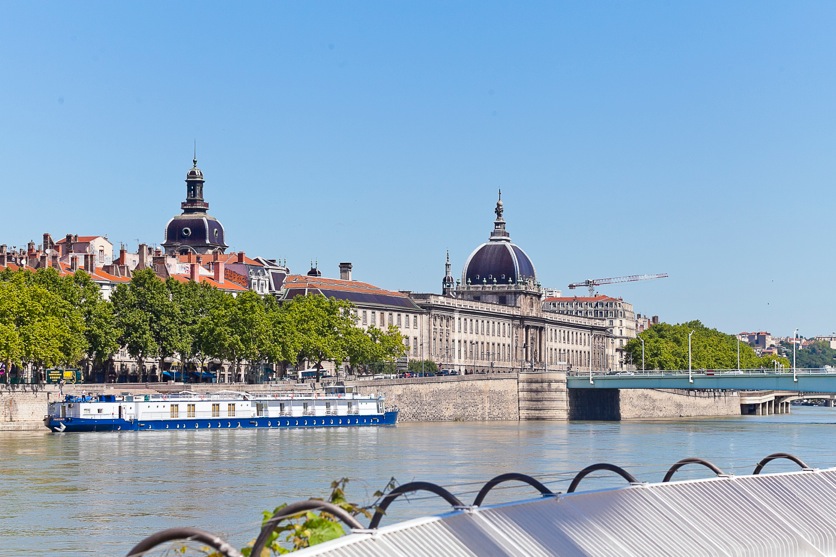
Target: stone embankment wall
{"type": "Point", "coordinates": [648, 404]}
{"type": "Point", "coordinates": [469, 398]}
{"type": "Point", "coordinates": [534, 396]}
{"type": "Point", "coordinates": [22, 407]}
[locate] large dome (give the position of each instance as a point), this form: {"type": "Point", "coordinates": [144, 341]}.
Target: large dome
{"type": "Point", "coordinates": [194, 233]}
{"type": "Point", "coordinates": [498, 261]}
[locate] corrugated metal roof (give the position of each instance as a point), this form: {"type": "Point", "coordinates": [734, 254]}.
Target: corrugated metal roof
{"type": "Point", "coordinates": [788, 514]}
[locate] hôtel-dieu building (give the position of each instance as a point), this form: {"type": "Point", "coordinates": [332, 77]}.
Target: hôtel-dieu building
{"type": "Point", "coordinates": [496, 318]}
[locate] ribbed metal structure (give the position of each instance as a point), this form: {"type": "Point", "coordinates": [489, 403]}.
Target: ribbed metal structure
{"type": "Point", "coordinates": [788, 514]}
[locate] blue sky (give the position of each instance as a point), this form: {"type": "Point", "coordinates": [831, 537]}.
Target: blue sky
{"type": "Point", "coordinates": [690, 138]}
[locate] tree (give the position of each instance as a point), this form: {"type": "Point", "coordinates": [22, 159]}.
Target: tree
{"type": "Point", "coordinates": [322, 329]}
{"type": "Point", "coordinates": [814, 354]}
{"type": "Point", "coordinates": [666, 347]}
{"type": "Point", "coordinates": [194, 304]}
{"type": "Point", "coordinates": [146, 317]}
{"type": "Point", "coordinates": [39, 327]}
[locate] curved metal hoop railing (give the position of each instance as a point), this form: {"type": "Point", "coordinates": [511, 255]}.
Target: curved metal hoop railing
{"type": "Point", "coordinates": [775, 456]}
{"type": "Point", "coordinates": [410, 488]}
{"type": "Point", "coordinates": [184, 534]}
{"type": "Point", "coordinates": [226, 550]}
{"type": "Point", "coordinates": [507, 478]}
{"type": "Point", "coordinates": [692, 460]}
{"type": "Point", "coordinates": [300, 507]}
{"type": "Point", "coordinates": [600, 466]}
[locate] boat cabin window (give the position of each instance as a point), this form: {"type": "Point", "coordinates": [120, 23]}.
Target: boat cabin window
{"type": "Point", "coordinates": [175, 411]}
{"type": "Point", "coordinates": [190, 409]}
{"type": "Point", "coordinates": [216, 410]}
{"type": "Point", "coordinates": [230, 409]}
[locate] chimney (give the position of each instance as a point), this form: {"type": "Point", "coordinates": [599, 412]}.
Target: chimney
{"type": "Point", "coordinates": [345, 271]}
{"type": "Point", "coordinates": [219, 272]}
{"type": "Point", "coordinates": [43, 262]}
{"type": "Point", "coordinates": [48, 243]}
{"type": "Point", "coordinates": [90, 263]}
{"type": "Point", "coordinates": [143, 256]}
{"type": "Point", "coordinates": [240, 257]}
{"type": "Point", "coordinates": [123, 253]}
{"type": "Point", "coordinates": [55, 263]}
{"type": "Point", "coordinates": [194, 272]}
{"type": "Point", "coordinates": [4, 259]}
{"type": "Point", "coordinates": [30, 248]}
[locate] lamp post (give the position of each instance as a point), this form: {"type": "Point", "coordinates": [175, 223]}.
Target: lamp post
{"type": "Point", "coordinates": [794, 342]}
{"type": "Point", "coordinates": [690, 375]}
{"type": "Point", "coordinates": [738, 353]}
{"type": "Point", "coordinates": [642, 341]}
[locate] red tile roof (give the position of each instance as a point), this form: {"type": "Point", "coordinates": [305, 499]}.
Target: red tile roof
{"type": "Point", "coordinates": [227, 285]}
{"type": "Point", "coordinates": [78, 239]}
{"type": "Point", "coordinates": [320, 283]}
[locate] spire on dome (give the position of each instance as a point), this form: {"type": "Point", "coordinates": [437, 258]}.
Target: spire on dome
{"type": "Point", "coordinates": [499, 233]}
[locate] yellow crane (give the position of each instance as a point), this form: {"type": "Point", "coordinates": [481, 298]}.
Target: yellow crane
{"type": "Point", "coordinates": [592, 283]}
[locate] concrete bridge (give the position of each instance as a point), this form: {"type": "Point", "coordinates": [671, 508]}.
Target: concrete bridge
{"type": "Point", "coordinates": [761, 392]}
{"type": "Point", "coordinates": [798, 381]}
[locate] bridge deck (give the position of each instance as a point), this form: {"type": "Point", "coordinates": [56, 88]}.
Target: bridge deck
{"type": "Point", "coordinates": [811, 381]}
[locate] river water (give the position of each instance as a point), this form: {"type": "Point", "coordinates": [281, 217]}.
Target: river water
{"type": "Point", "coordinates": [101, 493]}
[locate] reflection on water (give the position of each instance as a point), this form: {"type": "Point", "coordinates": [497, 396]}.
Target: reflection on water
{"type": "Point", "coordinates": [100, 493]}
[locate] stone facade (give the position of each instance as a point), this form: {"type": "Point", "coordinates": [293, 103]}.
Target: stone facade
{"type": "Point", "coordinates": [441, 399]}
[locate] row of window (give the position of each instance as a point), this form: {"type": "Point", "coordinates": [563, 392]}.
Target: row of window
{"type": "Point", "coordinates": [174, 410]}
{"type": "Point", "coordinates": [398, 319]}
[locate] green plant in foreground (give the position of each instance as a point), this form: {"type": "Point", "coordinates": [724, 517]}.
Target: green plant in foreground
{"type": "Point", "coordinates": [314, 527]}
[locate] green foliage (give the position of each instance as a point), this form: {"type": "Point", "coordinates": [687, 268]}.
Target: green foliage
{"type": "Point", "coordinates": [666, 347]}
{"type": "Point", "coordinates": [47, 320]}
{"type": "Point", "coordinates": [314, 527]}
{"type": "Point", "coordinates": [147, 318]}
{"type": "Point", "coordinates": [374, 350]}
{"type": "Point", "coordinates": [814, 355]}
{"type": "Point", "coordinates": [42, 320]}
{"type": "Point", "coordinates": [417, 366]}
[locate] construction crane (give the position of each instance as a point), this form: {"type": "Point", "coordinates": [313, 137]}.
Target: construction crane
{"type": "Point", "coordinates": [592, 283]}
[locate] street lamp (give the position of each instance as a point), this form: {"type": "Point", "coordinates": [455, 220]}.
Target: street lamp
{"type": "Point", "coordinates": [794, 342]}
{"type": "Point", "coordinates": [642, 341]}
{"type": "Point", "coordinates": [738, 353]}
{"type": "Point", "coordinates": [690, 376]}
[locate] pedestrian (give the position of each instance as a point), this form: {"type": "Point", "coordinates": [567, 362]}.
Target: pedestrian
{"type": "Point", "coordinates": [61, 387]}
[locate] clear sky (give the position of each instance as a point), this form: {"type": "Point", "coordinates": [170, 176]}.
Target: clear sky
{"type": "Point", "coordinates": [691, 138]}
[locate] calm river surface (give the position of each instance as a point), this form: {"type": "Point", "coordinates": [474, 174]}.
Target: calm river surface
{"type": "Point", "coordinates": [101, 493]}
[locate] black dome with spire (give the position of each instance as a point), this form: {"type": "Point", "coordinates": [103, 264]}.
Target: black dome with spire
{"type": "Point", "coordinates": [498, 261]}
{"type": "Point", "coordinates": [194, 231]}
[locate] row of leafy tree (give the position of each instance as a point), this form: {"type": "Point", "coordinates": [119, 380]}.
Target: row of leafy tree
{"type": "Point", "coordinates": [48, 320]}
{"type": "Point", "coordinates": [666, 347]}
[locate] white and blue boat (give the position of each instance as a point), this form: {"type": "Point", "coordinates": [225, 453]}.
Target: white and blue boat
{"type": "Point", "coordinates": [337, 406]}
